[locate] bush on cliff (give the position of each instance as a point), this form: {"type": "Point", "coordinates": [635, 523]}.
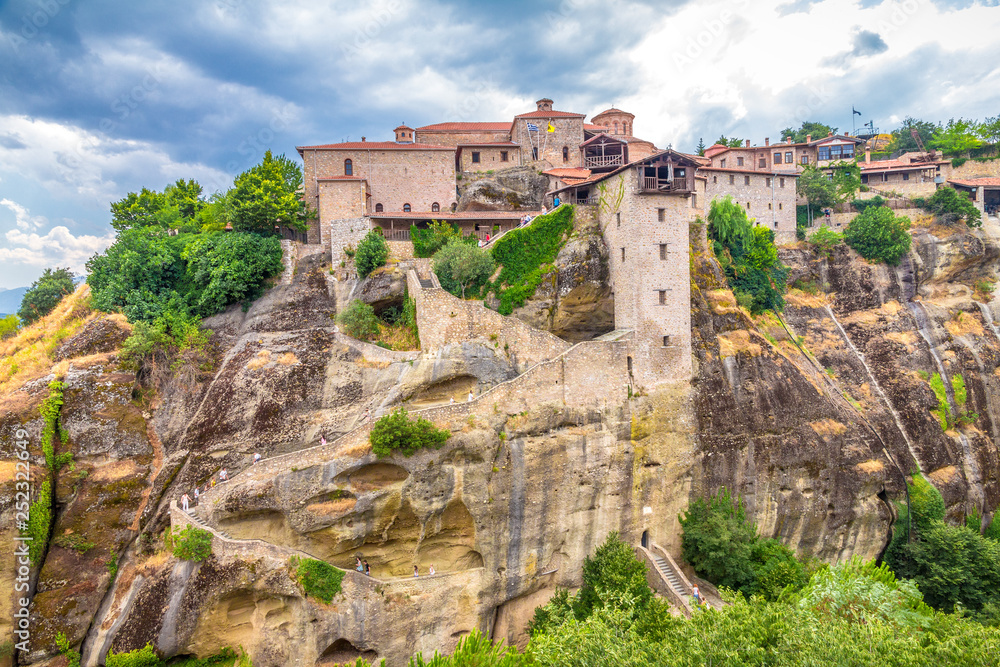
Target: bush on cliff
{"type": "Point", "coordinates": [437, 235]}
{"type": "Point", "coordinates": [372, 253]}
{"type": "Point", "coordinates": [463, 268]}
{"type": "Point", "coordinates": [193, 543]}
{"type": "Point", "coordinates": [878, 234]}
{"type": "Point", "coordinates": [359, 320]}
{"type": "Point", "coordinates": [525, 255]}
{"type": "Point", "coordinates": [396, 432]}
{"type": "Point", "coordinates": [45, 294]}
{"type": "Point", "coordinates": [318, 578]}
{"type": "Point", "coordinates": [951, 206]}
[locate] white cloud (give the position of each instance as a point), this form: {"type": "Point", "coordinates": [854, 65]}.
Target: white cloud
{"type": "Point", "coordinates": [58, 247]}
{"type": "Point", "coordinates": [24, 220]}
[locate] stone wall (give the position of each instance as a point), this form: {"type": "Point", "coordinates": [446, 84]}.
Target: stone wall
{"type": "Point", "coordinates": [338, 200]}
{"type": "Point", "coordinates": [490, 158]}
{"type": "Point", "coordinates": [402, 250]}
{"type": "Point", "coordinates": [569, 133]}
{"type": "Point", "coordinates": [768, 198]}
{"type": "Point", "coordinates": [342, 233]}
{"type": "Point", "coordinates": [838, 221]}
{"type": "Point", "coordinates": [454, 138]}
{"type": "Point", "coordinates": [444, 319]}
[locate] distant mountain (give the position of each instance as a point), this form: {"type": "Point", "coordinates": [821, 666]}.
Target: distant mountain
{"type": "Point", "coordinates": [10, 300]}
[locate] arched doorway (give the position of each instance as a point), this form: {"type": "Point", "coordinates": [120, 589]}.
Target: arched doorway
{"type": "Point", "coordinates": [645, 539]}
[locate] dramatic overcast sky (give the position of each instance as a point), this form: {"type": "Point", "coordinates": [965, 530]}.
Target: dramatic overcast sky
{"type": "Point", "coordinates": [102, 97]}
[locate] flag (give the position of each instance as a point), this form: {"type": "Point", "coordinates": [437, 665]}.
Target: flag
{"type": "Point", "coordinates": [551, 128]}
{"type": "Point", "coordinates": [855, 111]}
{"type": "Point", "coordinates": [532, 127]}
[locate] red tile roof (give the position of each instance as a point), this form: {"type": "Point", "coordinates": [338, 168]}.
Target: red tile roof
{"type": "Point", "coordinates": [488, 143]}
{"type": "Point", "coordinates": [988, 181]}
{"type": "Point", "coordinates": [448, 215]}
{"type": "Point", "coordinates": [374, 146]}
{"type": "Point", "coordinates": [613, 110]}
{"type": "Point", "coordinates": [883, 165]}
{"type": "Point", "coordinates": [594, 128]}
{"type": "Point", "coordinates": [466, 127]}
{"type": "Point", "coordinates": [550, 114]}
{"type": "Point", "coordinates": [759, 172]}
{"type": "Point", "coordinates": [568, 172]}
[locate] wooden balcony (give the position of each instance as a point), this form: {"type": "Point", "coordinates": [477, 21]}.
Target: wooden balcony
{"type": "Point", "coordinates": [654, 184]}
{"type": "Point", "coordinates": [601, 161]}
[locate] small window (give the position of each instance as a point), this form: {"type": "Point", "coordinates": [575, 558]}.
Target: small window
{"type": "Point", "coordinates": [739, 162]}
{"type": "Point", "coordinates": [746, 180]}
{"type": "Point", "coordinates": [565, 153]}
{"type": "Point", "coordinates": [732, 179]}
{"type": "Point", "coordinates": [661, 214]}
{"type": "Point", "coordinates": [475, 157]}
{"type": "Point", "coordinates": [694, 200]}
{"type": "Point", "coordinates": [722, 163]}
{"type": "Point", "coordinates": [805, 159]}
{"type": "Point", "coordinates": [788, 157]}
{"type": "Point", "coordinates": [623, 254]}
{"type": "Point", "coordinates": [715, 179]}
{"type": "Point", "coordinates": [663, 251]}
{"type": "Point", "coordinates": [777, 158]}
{"type": "Point", "coordinates": [378, 208]}
{"type": "Point", "coordinates": [534, 152]}
{"type": "Point", "coordinates": [748, 206]}
{"type": "Point", "coordinates": [503, 156]}
{"type": "Point", "coordinates": [781, 182]}
{"type": "Point", "coordinates": [406, 208]}
{"type": "Point", "coordinates": [906, 177]}
{"type": "Point", "coordinates": [779, 206]}
{"type": "Point", "coordinates": [666, 341]}
{"type": "Point", "coordinates": [767, 181]}
{"type": "Point", "coordinates": [663, 297]}
{"type": "Point", "coordinates": [618, 219]}
{"type": "Point", "coordinates": [762, 163]}
{"type": "Point", "coordinates": [770, 206]}
{"type": "Point", "coordinates": [435, 207]}
{"type": "Point", "coordinates": [348, 167]}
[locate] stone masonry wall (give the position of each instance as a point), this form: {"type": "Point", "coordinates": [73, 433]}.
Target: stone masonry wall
{"type": "Point", "coordinates": [342, 233]}
{"type": "Point", "coordinates": [453, 139]}
{"type": "Point", "coordinates": [490, 158]}
{"type": "Point", "coordinates": [339, 200]}
{"type": "Point", "coordinates": [569, 133]}
{"type": "Point", "coordinates": [771, 206]}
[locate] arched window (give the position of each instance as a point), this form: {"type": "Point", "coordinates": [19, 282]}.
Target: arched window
{"type": "Point", "coordinates": [378, 208]}
{"type": "Point", "coordinates": [616, 127]}
{"type": "Point", "coordinates": [565, 153]}
{"type": "Point", "coordinates": [348, 167]}
{"type": "Point", "coordinates": [435, 207]}
{"type": "Point", "coordinates": [406, 208]}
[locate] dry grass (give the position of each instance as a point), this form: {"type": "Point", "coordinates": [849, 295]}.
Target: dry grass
{"type": "Point", "coordinates": [262, 359]}
{"type": "Point", "coordinates": [722, 301]}
{"type": "Point", "coordinates": [7, 471]}
{"type": "Point", "coordinates": [828, 427]}
{"type": "Point", "coordinates": [370, 363]}
{"type": "Point", "coordinates": [963, 324]}
{"type": "Point", "coordinates": [734, 342]}
{"type": "Point", "coordinates": [864, 317]}
{"type": "Point", "coordinates": [114, 471]}
{"type": "Point", "coordinates": [799, 299]}
{"type": "Point", "coordinates": [943, 476]}
{"type": "Point", "coordinates": [333, 507]}
{"type": "Point", "coordinates": [891, 308]}
{"type": "Point", "coordinates": [28, 355]}
{"type": "Point", "coordinates": [870, 466]}
{"type": "Point", "coordinates": [397, 337]}
{"type": "Point", "coordinates": [907, 339]}
{"type": "Point", "coordinates": [288, 359]}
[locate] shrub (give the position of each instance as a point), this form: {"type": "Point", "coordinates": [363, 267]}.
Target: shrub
{"type": "Point", "coordinates": [74, 542]}
{"type": "Point", "coordinates": [950, 206]}
{"type": "Point", "coordinates": [359, 320]}
{"type": "Point", "coordinates": [612, 569]}
{"type": "Point", "coordinates": [428, 241]}
{"type": "Point", "coordinates": [45, 294]}
{"type": "Point", "coordinates": [462, 268]}
{"type": "Point", "coordinates": [9, 326]}
{"type": "Point", "coordinates": [140, 657]}
{"type": "Point", "coordinates": [860, 205]}
{"type": "Point", "coordinates": [396, 432]}
{"type": "Point", "coordinates": [878, 234]}
{"type": "Point", "coordinates": [318, 579]}
{"type": "Point", "coordinates": [193, 543]}
{"type": "Point", "coordinates": [372, 253]}
{"type": "Point", "coordinates": [225, 268]}
{"type": "Point", "coordinates": [66, 649]}
{"type": "Point", "coordinates": [825, 240]}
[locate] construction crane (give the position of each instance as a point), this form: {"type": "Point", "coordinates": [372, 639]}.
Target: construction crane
{"type": "Point", "coordinates": [916, 137]}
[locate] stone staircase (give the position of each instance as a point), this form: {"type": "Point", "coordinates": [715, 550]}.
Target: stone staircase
{"type": "Point", "coordinates": [426, 283]}
{"type": "Point", "coordinates": [668, 572]}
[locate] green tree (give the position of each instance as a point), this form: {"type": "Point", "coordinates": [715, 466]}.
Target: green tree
{"type": "Point", "coordinates": [137, 209]}
{"type": "Point", "coordinates": [902, 139]}
{"type": "Point", "coordinates": [45, 294]}
{"type": "Point", "coordinates": [462, 267]}
{"type": "Point", "coordinates": [265, 196]}
{"type": "Point", "coordinates": [9, 326]}
{"type": "Point", "coordinates": [846, 179]}
{"type": "Point", "coordinates": [613, 570]}
{"type": "Point", "coordinates": [359, 320]}
{"type": "Point", "coordinates": [718, 540]}
{"type": "Point", "coordinates": [225, 268]}
{"type": "Point", "coordinates": [186, 195]}
{"type": "Point", "coordinates": [958, 137]}
{"type": "Point", "coordinates": [137, 274]}
{"type": "Point", "coordinates": [372, 253]}
{"type": "Point", "coordinates": [700, 148]}
{"type": "Point", "coordinates": [193, 543]}
{"type": "Point", "coordinates": [808, 128]}
{"type": "Point", "coordinates": [878, 234]}
{"type": "Point", "coordinates": [439, 233]}
{"type": "Point", "coordinates": [396, 432]}
{"type": "Point", "coordinates": [826, 240]}
{"type": "Point", "coordinates": [816, 187]}
{"type": "Point", "coordinates": [731, 143]}
{"type": "Point", "coordinates": [989, 130]}
{"type": "Point", "coordinates": [951, 206]}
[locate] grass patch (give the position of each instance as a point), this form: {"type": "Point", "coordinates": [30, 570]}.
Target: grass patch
{"type": "Point", "coordinates": [942, 412]}
{"type": "Point", "coordinates": [318, 579]}
{"type": "Point", "coordinates": [74, 542]}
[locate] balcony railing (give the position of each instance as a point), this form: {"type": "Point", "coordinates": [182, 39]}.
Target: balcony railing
{"type": "Point", "coordinates": [654, 184]}
{"type": "Point", "coordinates": [598, 161]}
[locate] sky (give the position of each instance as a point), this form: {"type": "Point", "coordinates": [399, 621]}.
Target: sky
{"type": "Point", "coordinates": [99, 98]}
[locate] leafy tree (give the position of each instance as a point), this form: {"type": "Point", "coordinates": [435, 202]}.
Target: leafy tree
{"type": "Point", "coordinates": [428, 241]}
{"type": "Point", "coordinates": [228, 268]}
{"type": "Point", "coordinates": [186, 196]}
{"type": "Point", "coordinates": [136, 275]}
{"type": "Point", "coordinates": [846, 179]}
{"type": "Point", "coordinates": [808, 128]}
{"type": "Point", "coordinates": [137, 209]}
{"type": "Point", "coordinates": [372, 253]}
{"type": "Point", "coordinates": [989, 130]}
{"type": "Point", "coordinates": [612, 570]}
{"type": "Point", "coordinates": [193, 543]}
{"type": "Point", "coordinates": [463, 267]}
{"type": "Point", "coordinates": [878, 234]}
{"type": "Point", "coordinates": [396, 432]}
{"type": "Point", "coordinates": [265, 196]}
{"type": "Point", "coordinates": [9, 326]}
{"type": "Point", "coordinates": [826, 240]}
{"type": "Point", "coordinates": [359, 320]}
{"type": "Point", "coordinates": [902, 140]}
{"type": "Point", "coordinates": [718, 540]}
{"type": "Point", "coordinates": [950, 206]}
{"type": "Point", "coordinates": [732, 143]}
{"type": "Point", "coordinates": [816, 187]}
{"type": "Point", "coordinates": [958, 137]}
{"type": "Point", "coordinates": [728, 222]}
{"type": "Point", "coordinates": [45, 294]}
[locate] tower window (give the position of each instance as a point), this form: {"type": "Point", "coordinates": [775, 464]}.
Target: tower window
{"type": "Point", "coordinates": [746, 180]}
{"type": "Point", "coordinates": [663, 295]}
{"type": "Point", "coordinates": [503, 156]}
{"type": "Point", "coordinates": [565, 153]}
{"type": "Point", "coordinates": [661, 214]}
{"type": "Point", "coordinates": [378, 208]}
{"type": "Point", "coordinates": [406, 208]}
{"type": "Point", "coordinates": [435, 207]}
{"type": "Point", "coordinates": [663, 251]}
{"type": "Point", "coordinates": [623, 254]}
{"type": "Point", "coordinates": [666, 341]}
{"type": "Point", "coordinates": [475, 157]}
{"type": "Point", "coordinates": [348, 167]}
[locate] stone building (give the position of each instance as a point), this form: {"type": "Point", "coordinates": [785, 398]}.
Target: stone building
{"type": "Point", "coordinates": [785, 156]}
{"type": "Point", "coordinates": [910, 174]}
{"type": "Point", "coordinates": [768, 196]}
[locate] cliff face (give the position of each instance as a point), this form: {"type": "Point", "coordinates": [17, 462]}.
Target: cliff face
{"type": "Point", "coordinates": [813, 418]}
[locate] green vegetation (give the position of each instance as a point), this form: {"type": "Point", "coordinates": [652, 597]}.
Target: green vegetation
{"type": "Point", "coordinates": [396, 432]}
{"type": "Point", "coordinates": [723, 546]}
{"type": "Point", "coordinates": [748, 256]}
{"type": "Point", "coordinates": [808, 128]}
{"type": "Point", "coordinates": [878, 234]}
{"type": "Point", "coordinates": [958, 137]}
{"type": "Point", "coordinates": [65, 649]}
{"type": "Point", "coordinates": [9, 326]}
{"type": "Point", "coordinates": [372, 253]}
{"type": "Point", "coordinates": [902, 139]}
{"type": "Point", "coordinates": [438, 234]}
{"type": "Point", "coordinates": [45, 294]}
{"type": "Point", "coordinates": [146, 657]}
{"type": "Point", "coordinates": [951, 206]}
{"type": "Point", "coordinates": [74, 542]}
{"type": "Point", "coordinates": [393, 328]}
{"type": "Point", "coordinates": [861, 204]}
{"type": "Point", "coordinates": [317, 578]}
{"type": "Point", "coordinates": [193, 543]}
{"type": "Point", "coordinates": [266, 195]}
{"type": "Point", "coordinates": [359, 320]}
{"type": "Point", "coordinates": [825, 240]}
{"type": "Point", "coordinates": [40, 512]}
{"type": "Point", "coordinates": [463, 268]}
{"type": "Point", "coordinates": [140, 657]}
{"type": "Point", "coordinates": [942, 411]}
{"type": "Point", "coordinates": [526, 255]}
{"type": "Point", "coordinates": [732, 143]}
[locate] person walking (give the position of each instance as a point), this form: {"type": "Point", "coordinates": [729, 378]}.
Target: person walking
{"type": "Point", "coordinates": [358, 565]}
{"type": "Point", "coordinates": [256, 458]}
{"type": "Point", "coordinates": [196, 494]}
{"type": "Point", "coordinates": [430, 570]}
{"type": "Point", "coordinates": [416, 573]}
{"type": "Point", "coordinates": [696, 594]}
{"type": "Point", "coordinates": [184, 502]}
{"type": "Point", "coordinates": [368, 568]}
{"type": "Point", "coordinates": [470, 397]}
{"type": "Point", "coordinates": [555, 202]}
{"type": "Point", "coordinates": [223, 475]}
{"type": "Point", "coordinates": [322, 440]}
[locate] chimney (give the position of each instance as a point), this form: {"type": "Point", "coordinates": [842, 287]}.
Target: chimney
{"type": "Point", "coordinates": [362, 138]}
{"type": "Point", "coordinates": [868, 155]}
{"type": "Point", "coordinates": [748, 143]}
{"type": "Point", "coordinates": [767, 141]}
{"type": "Point", "coordinates": [809, 138]}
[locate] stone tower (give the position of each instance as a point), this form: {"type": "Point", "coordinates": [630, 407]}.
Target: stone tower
{"type": "Point", "coordinates": [618, 122]}
{"type": "Point", "coordinates": [404, 134]}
